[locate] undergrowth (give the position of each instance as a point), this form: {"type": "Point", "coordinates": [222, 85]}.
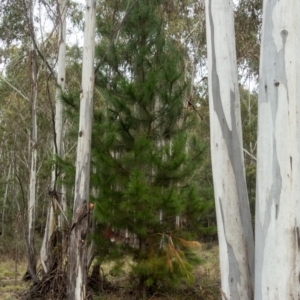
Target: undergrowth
{"type": "Point", "coordinates": [119, 286]}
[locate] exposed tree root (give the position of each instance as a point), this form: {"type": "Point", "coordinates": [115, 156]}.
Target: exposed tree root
{"type": "Point", "coordinates": [53, 285]}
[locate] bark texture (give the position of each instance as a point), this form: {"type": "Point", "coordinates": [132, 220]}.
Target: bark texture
{"type": "Point", "coordinates": [32, 152]}
{"type": "Point", "coordinates": [57, 194]}
{"type": "Point", "coordinates": [231, 197]}
{"type": "Point", "coordinates": [277, 224]}
{"type": "Point", "coordinates": [77, 255]}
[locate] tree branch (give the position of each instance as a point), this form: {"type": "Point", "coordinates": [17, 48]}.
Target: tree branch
{"type": "Point", "coordinates": [32, 36]}
{"type": "Point", "coordinates": [252, 156]}
{"type": "Point", "coordinates": [14, 88]}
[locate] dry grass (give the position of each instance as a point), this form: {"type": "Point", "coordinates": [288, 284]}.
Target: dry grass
{"type": "Point", "coordinates": [209, 270]}
{"type": "Point", "coordinates": [206, 286]}
{"type": "Point", "coordinates": [208, 274]}
{"type": "Point", "coordinates": [11, 278]}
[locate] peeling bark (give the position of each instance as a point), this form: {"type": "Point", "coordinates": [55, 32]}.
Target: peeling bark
{"type": "Point", "coordinates": [58, 193]}
{"type": "Point", "coordinates": [77, 254]}
{"type": "Point", "coordinates": [277, 219]}
{"type": "Point", "coordinates": [31, 272]}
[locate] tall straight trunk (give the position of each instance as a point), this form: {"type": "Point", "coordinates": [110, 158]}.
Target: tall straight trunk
{"type": "Point", "coordinates": [77, 255]}
{"type": "Point", "coordinates": [32, 150]}
{"type": "Point", "coordinates": [5, 201]}
{"type": "Point", "coordinates": [58, 194]}
{"type": "Point", "coordinates": [277, 222]}
{"type": "Point", "coordinates": [33, 162]}
{"type": "Point", "coordinates": [61, 81]}
{"type": "Point", "coordinates": [236, 244]}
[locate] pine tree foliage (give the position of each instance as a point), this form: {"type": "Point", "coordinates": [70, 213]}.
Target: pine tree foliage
{"type": "Point", "coordinates": [143, 151]}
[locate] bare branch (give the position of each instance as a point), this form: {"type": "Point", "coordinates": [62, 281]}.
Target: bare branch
{"type": "Point", "coordinates": [14, 88]}
{"type": "Point", "coordinates": [252, 156]}
{"type": "Point", "coordinates": [32, 36]}
{"type": "Point", "coordinates": [62, 212]}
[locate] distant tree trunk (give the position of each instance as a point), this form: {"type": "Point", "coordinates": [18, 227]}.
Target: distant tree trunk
{"type": "Point", "coordinates": [33, 162]}
{"type": "Point", "coordinates": [61, 81]}
{"type": "Point", "coordinates": [5, 201]}
{"type": "Point", "coordinates": [31, 271]}
{"type": "Point", "coordinates": [57, 194]}
{"type": "Point", "coordinates": [231, 198]}
{"type": "Point", "coordinates": [277, 222]}
{"type": "Point", "coordinates": [77, 255]}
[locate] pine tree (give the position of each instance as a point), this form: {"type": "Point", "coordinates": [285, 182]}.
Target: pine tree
{"type": "Point", "coordinates": [143, 152]}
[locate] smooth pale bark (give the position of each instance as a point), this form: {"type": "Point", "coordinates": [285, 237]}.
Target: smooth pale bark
{"type": "Point", "coordinates": [59, 123]}
{"type": "Point", "coordinates": [32, 151]}
{"type": "Point", "coordinates": [235, 232]}
{"type": "Point", "coordinates": [77, 255]}
{"type": "Point", "coordinates": [58, 194]}
{"type": "Point", "coordinates": [33, 165]}
{"type": "Point", "coordinates": [46, 255]}
{"type": "Point", "coordinates": [277, 223]}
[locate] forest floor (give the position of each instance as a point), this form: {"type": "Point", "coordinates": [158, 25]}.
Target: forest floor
{"type": "Point", "coordinates": [206, 286]}
{"type": "Point", "coordinates": [11, 278]}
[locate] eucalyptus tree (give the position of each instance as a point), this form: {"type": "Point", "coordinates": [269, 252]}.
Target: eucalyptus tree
{"type": "Point", "coordinates": [277, 219]}
{"type": "Point", "coordinates": [235, 233]}
{"type": "Point", "coordinates": [4, 204]}
{"type": "Point", "coordinates": [21, 38]}
{"type": "Point", "coordinates": [32, 144]}
{"type": "Point", "coordinates": [77, 252]}
{"type": "Point", "coordinates": [58, 195]}
{"type": "Point", "coordinates": [248, 18]}
{"type": "Point", "coordinates": [15, 123]}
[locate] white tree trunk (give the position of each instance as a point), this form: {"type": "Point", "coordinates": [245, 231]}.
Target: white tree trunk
{"type": "Point", "coordinates": [61, 81]}
{"type": "Point", "coordinates": [32, 151]}
{"type": "Point", "coordinates": [277, 223]}
{"type": "Point", "coordinates": [46, 255]}
{"type": "Point", "coordinates": [77, 255]}
{"type": "Point", "coordinates": [57, 193]}
{"type": "Point", "coordinates": [232, 208]}
{"type": "Point", "coordinates": [33, 162]}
